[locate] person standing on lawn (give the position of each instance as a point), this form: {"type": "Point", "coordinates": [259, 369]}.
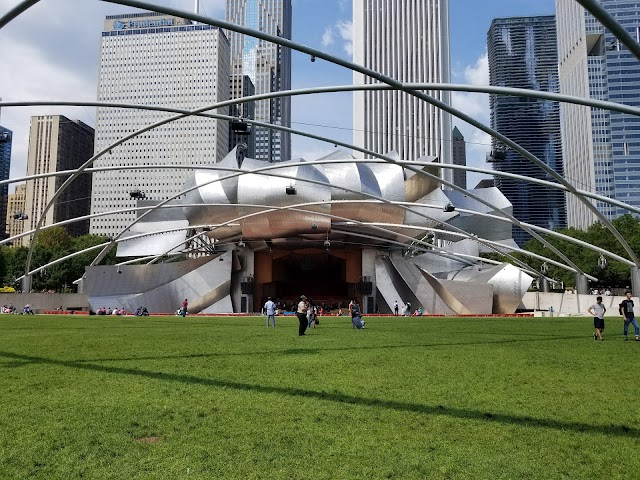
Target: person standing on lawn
{"type": "Point", "coordinates": [301, 312]}
{"type": "Point", "coordinates": [270, 312]}
{"type": "Point", "coordinates": [626, 310]}
{"type": "Point", "coordinates": [185, 304]}
{"type": "Point", "coordinates": [395, 308]}
{"type": "Point", "coordinates": [598, 310]}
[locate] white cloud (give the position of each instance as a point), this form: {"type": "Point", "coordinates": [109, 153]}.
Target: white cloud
{"type": "Point", "coordinates": [475, 105]}
{"type": "Point", "coordinates": [345, 28]}
{"type": "Point", "coordinates": [328, 37]}
{"type": "Point", "coordinates": [478, 74]}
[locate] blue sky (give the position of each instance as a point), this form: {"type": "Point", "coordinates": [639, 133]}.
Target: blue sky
{"type": "Point", "coordinates": [51, 52]}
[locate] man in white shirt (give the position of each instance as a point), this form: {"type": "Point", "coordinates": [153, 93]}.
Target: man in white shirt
{"type": "Point", "coordinates": [598, 310]}
{"type": "Point", "coordinates": [270, 312]}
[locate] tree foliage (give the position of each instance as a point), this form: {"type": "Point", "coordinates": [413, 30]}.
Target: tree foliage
{"type": "Point", "coordinates": [52, 244]}
{"type": "Point", "coordinates": [614, 274]}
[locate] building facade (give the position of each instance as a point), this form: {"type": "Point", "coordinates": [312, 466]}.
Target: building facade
{"type": "Point", "coordinates": [16, 204]}
{"type": "Point", "coordinates": [242, 86]}
{"type": "Point", "coordinates": [57, 144]}
{"type": "Point", "coordinates": [6, 139]}
{"type": "Point", "coordinates": [459, 156]}
{"type": "Point", "coordinates": [408, 41]}
{"type": "Point", "coordinates": [523, 54]}
{"type": "Point", "coordinates": [267, 65]}
{"type": "Point", "coordinates": [153, 59]}
{"type": "Point", "coordinates": [601, 148]}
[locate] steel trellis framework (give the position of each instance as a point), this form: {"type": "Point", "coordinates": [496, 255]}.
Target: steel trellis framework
{"type": "Point", "coordinates": [393, 83]}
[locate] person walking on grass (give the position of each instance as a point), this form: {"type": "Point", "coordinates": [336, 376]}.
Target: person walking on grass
{"type": "Point", "coordinates": [185, 304]}
{"type": "Point", "coordinates": [270, 312]}
{"type": "Point", "coordinates": [626, 310]}
{"type": "Point", "coordinates": [395, 308]}
{"type": "Point", "coordinates": [598, 310]}
{"type": "Point", "coordinates": [301, 312]}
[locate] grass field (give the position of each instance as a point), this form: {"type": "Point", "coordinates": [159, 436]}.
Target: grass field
{"type": "Point", "coordinates": [167, 397]}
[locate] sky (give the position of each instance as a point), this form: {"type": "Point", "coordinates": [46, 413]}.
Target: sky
{"type": "Point", "coordinates": [50, 52]}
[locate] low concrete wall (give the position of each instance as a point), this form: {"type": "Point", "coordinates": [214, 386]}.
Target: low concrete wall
{"type": "Point", "coordinates": [46, 301]}
{"type": "Point", "coordinates": [573, 303]}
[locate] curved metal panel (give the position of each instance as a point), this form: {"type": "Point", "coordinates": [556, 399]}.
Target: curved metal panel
{"type": "Point", "coordinates": [262, 189]}
{"type": "Point", "coordinates": [417, 186]}
{"type": "Point", "coordinates": [390, 180]}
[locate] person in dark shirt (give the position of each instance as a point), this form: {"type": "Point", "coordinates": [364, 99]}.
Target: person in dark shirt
{"type": "Point", "coordinates": [626, 310]}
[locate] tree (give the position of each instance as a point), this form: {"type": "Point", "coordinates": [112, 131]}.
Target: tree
{"type": "Point", "coordinates": [52, 244]}
{"type": "Point", "coordinates": [614, 274]}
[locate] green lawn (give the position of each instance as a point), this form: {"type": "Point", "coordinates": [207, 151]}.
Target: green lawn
{"type": "Point", "coordinates": [167, 397]}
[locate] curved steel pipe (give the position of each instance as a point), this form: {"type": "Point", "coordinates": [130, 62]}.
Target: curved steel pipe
{"type": "Point", "coordinates": [16, 11]}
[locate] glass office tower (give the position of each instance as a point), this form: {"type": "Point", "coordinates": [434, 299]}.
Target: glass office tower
{"type": "Point", "coordinates": [523, 54]}
{"type": "Point", "coordinates": [601, 148]}
{"type": "Point", "coordinates": [6, 137]}
{"type": "Point", "coordinates": [268, 66]}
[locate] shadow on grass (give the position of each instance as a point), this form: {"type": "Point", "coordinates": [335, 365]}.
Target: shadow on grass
{"type": "Point", "coordinates": [316, 350]}
{"type": "Point", "coordinates": [336, 397]}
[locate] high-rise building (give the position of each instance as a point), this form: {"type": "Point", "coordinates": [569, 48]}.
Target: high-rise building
{"type": "Point", "coordinates": [242, 86]}
{"type": "Point", "coordinates": [459, 156]}
{"type": "Point", "coordinates": [57, 144]}
{"type": "Point", "coordinates": [267, 65]}
{"type": "Point", "coordinates": [15, 212]}
{"type": "Point", "coordinates": [523, 54]}
{"type": "Point", "coordinates": [601, 148]}
{"type": "Point", "coordinates": [408, 41]}
{"type": "Point", "coordinates": [153, 59]}
{"type": "Point", "coordinates": [6, 138]}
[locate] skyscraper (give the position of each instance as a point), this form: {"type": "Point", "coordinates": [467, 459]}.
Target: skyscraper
{"type": "Point", "coordinates": [601, 148]}
{"type": "Point", "coordinates": [267, 65]}
{"type": "Point", "coordinates": [242, 86]}
{"type": "Point", "coordinates": [154, 59]}
{"type": "Point", "coordinates": [56, 144]}
{"type": "Point", "coordinates": [6, 138]}
{"type": "Point", "coordinates": [15, 212]}
{"type": "Point", "coordinates": [459, 156]}
{"type": "Point", "coordinates": [408, 41]}
{"type": "Point", "coordinates": [523, 54]}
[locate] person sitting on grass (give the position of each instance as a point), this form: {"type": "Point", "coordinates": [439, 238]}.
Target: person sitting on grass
{"type": "Point", "coordinates": [357, 322]}
{"type": "Point", "coordinates": [356, 316]}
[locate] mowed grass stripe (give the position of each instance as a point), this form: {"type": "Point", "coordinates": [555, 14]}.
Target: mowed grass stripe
{"type": "Point", "coordinates": [167, 397]}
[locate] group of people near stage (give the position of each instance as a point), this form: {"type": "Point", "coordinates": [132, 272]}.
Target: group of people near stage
{"type": "Point", "coordinates": [625, 309]}
{"type": "Point", "coordinates": [406, 310]}
{"type": "Point", "coordinates": [27, 310]}
{"type": "Point", "coordinates": [110, 311]}
{"type": "Point", "coordinates": [307, 314]}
